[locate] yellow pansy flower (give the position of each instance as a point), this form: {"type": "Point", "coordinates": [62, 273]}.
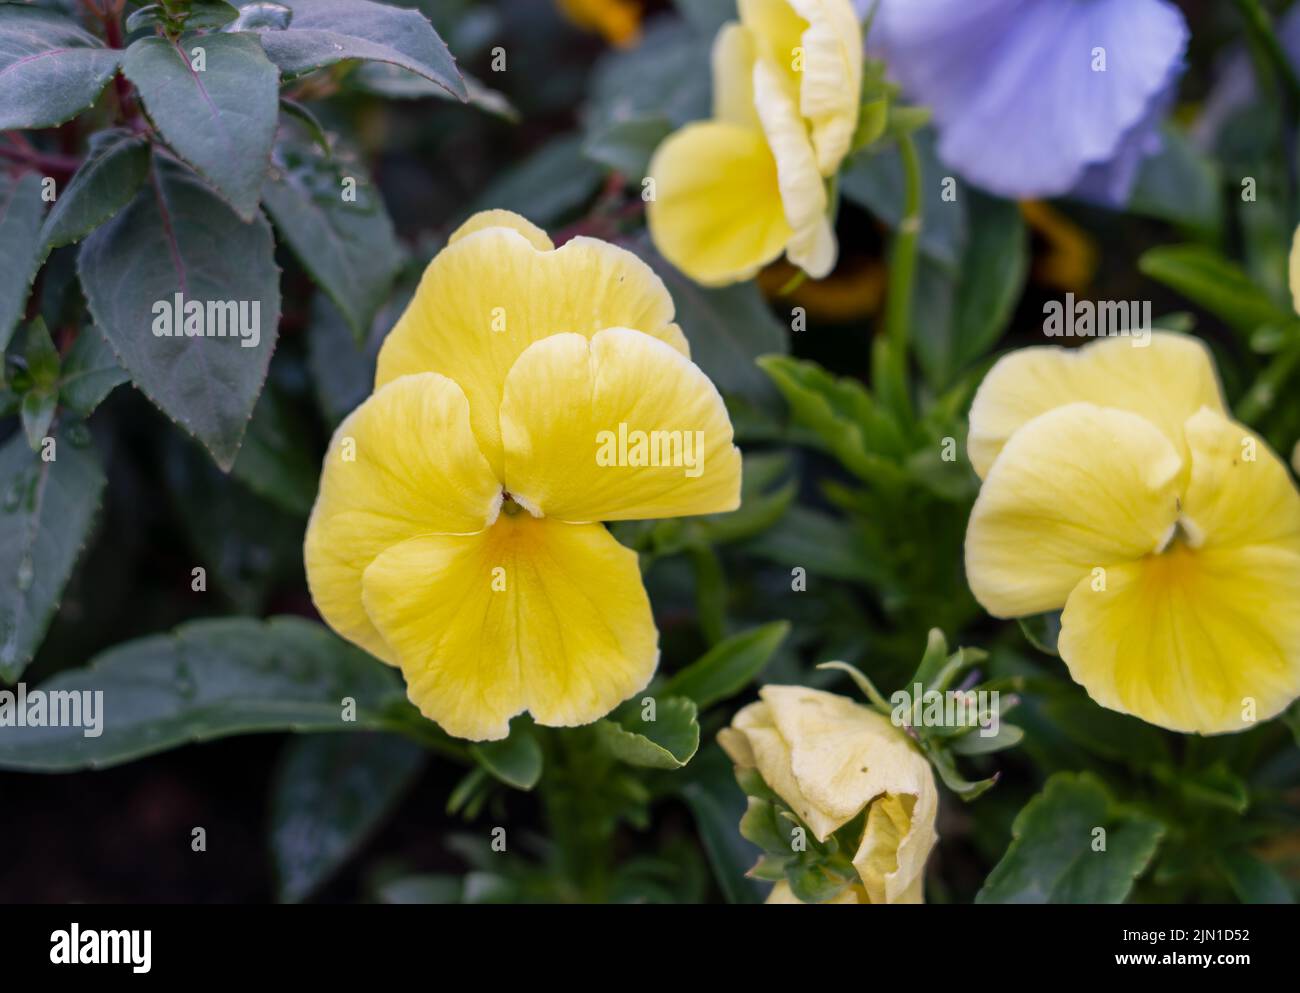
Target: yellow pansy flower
{"type": "Point", "coordinates": [830, 758]}
{"type": "Point", "coordinates": [733, 193]}
{"type": "Point", "coordinates": [1117, 487]}
{"type": "Point", "coordinates": [456, 533]}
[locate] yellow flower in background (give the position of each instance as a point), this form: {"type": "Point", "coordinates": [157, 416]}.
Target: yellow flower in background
{"type": "Point", "coordinates": [829, 759]}
{"type": "Point", "coordinates": [732, 193]}
{"type": "Point", "coordinates": [1117, 487]}
{"type": "Point", "coordinates": [617, 21]}
{"type": "Point", "coordinates": [456, 530]}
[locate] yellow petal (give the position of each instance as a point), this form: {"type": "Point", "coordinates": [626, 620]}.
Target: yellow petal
{"type": "Point", "coordinates": [1195, 640]}
{"type": "Point", "coordinates": [733, 76]}
{"type": "Point", "coordinates": [831, 87]}
{"type": "Point", "coordinates": [492, 293]}
{"type": "Point", "coordinates": [1166, 382]}
{"type": "Point", "coordinates": [530, 614]}
{"type": "Point", "coordinates": [534, 235]}
{"type": "Point", "coordinates": [618, 427]}
{"type": "Point", "coordinates": [898, 838]}
{"type": "Point", "coordinates": [1240, 492]}
{"type": "Point", "coordinates": [1077, 488]}
{"type": "Point", "coordinates": [803, 191]}
{"type": "Point", "coordinates": [404, 463]}
{"type": "Point", "coordinates": [717, 214]}
{"type": "Point", "coordinates": [778, 34]}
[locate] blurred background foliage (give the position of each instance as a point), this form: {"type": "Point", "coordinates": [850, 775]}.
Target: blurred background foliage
{"type": "Point", "coordinates": [848, 544]}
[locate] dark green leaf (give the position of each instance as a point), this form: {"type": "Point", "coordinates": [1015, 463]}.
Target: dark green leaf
{"type": "Point", "coordinates": [21, 208]}
{"type": "Point", "coordinates": [626, 146]}
{"type": "Point", "coordinates": [46, 513]}
{"type": "Point", "coordinates": [1042, 631]}
{"type": "Point", "coordinates": [667, 742]}
{"type": "Point", "coordinates": [728, 328]}
{"type": "Point", "coordinates": [348, 246]}
{"type": "Point", "coordinates": [177, 237]}
{"type": "Point", "coordinates": [210, 679]}
{"type": "Point", "coordinates": [323, 32]}
{"type": "Point", "coordinates": [1213, 282]}
{"type": "Point", "coordinates": [717, 807]}
{"type": "Point", "coordinates": [516, 760]}
{"type": "Point", "coordinates": [90, 373]}
{"type": "Point", "coordinates": [729, 666]}
{"type": "Point", "coordinates": [275, 460]}
{"type": "Point", "coordinates": [1179, 184]}
{"type": "Point", "coordinates": [50, 68]}
{"type": "Point", "coordinates": [331, 791]}
{"type": "Point", "coordinates": [960, 315]}
{"type": "Point", "coordinates": [1054, 856]}
{"type": "Point", "coordinates": [105, 183]}
{"type": "Point", "coordinates": [221, 120]}
{"type": "Point", "coordinates": [545, 187]}
{"type": "Point", "coordinates": [38, 414]}
{"type": "Point", "coordinates": [1113, 736]}
{"type": "Point", "coordinates": [1254, 881]}
{"type": "Point", "coordinates": [396, 83]}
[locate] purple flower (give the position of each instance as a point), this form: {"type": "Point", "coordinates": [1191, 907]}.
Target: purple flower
{"type": "Point", "coordinates": [1038, 98]}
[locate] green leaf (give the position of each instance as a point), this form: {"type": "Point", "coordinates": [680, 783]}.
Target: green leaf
{"type": "Point", "coordinates": [324, 32]}
{"type": "Point", "coordinates": [516, 760]}
{"type": "Point", "coordinates": [90, 373]}
{"type": "Point", "coordinates": [330, 793]}
{"type": "Point", "coordinates": [717, 807]}
{"type": "Point", "coordinates": [839, 411]}
{"type": "Point", "coordinates": [626, 146]}
{"type": "Point", "coordinates": [106, 182]}
{"type": "Point", "coordinates": [728, 328]}
{"type": "Point", "coordinates": [762, 825]}
{"type": "Point", "coordinates": [396, 83]}
{"type": "Point", "coordinates": [1052, 858]}
{"type": "Point", "coordinates": [816, 882]}
{"type": "Point", "coordinates": [42, 357]}
{"type": "Point", "coordinates": [342, 372]}
{"type": "Point", "coordinates": [1116, 737]}
{"type": "Point", "coordinates": [1042, 631]}
{"type": "Point", "coordinates": [50, 68]}
{"type": "Point", "coordinates": [47, 510]}
{"type": "Point", "coordinates": [728, 667]}
{"type": "Point", "coordinates": [177, 237]}
{"type": "Point", "coordinates": [665, 76]}
{"type": "Point", "coordinates": [1209, 280]}
{"type": "Point", "coordinates": [1179, 184]}
{"type": "Point", "coordinates": [275, 460]}
{"type": "Point", "coordinates": [960, 315]}
{"type": "Point", "coordinates": [348, 246]}
{"type": "Point", "coordinates": [21, 208]}
{"type": "Point", "coordinates": [1252, 880]}
{"type": "Point", "coordinates": [667, 742]}
{"type": "Point", "coordinates": [211, 679]}
{"type": "Point", "coordinates": [825, 546]}
{"type": "Point", "coordinates": [222, 119]}
{"type": "Point", "coordinates": [547, 186]}
{"type": "Point", "coordinates": [37, 415]}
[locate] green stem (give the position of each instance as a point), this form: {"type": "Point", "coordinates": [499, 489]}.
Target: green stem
{"type": "Point", "coordinates": [902, 274]}
{"type": "Point", "coordinates": [1263, 393]}
{"type": "Point", "coordinates": [1261, 31]}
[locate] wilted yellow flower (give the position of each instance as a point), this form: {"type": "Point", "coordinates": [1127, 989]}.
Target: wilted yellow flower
{"type": "Point", "coordinates": [1116, 487]}
{"type": "Point", "coordinates": [829, 759]}
{"type": "Point", "coordinates": [526, 394]}
{"type": "Point", "coordinates": [731, 194]}
{"type": "Point", "coordinates": [618, 21]}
